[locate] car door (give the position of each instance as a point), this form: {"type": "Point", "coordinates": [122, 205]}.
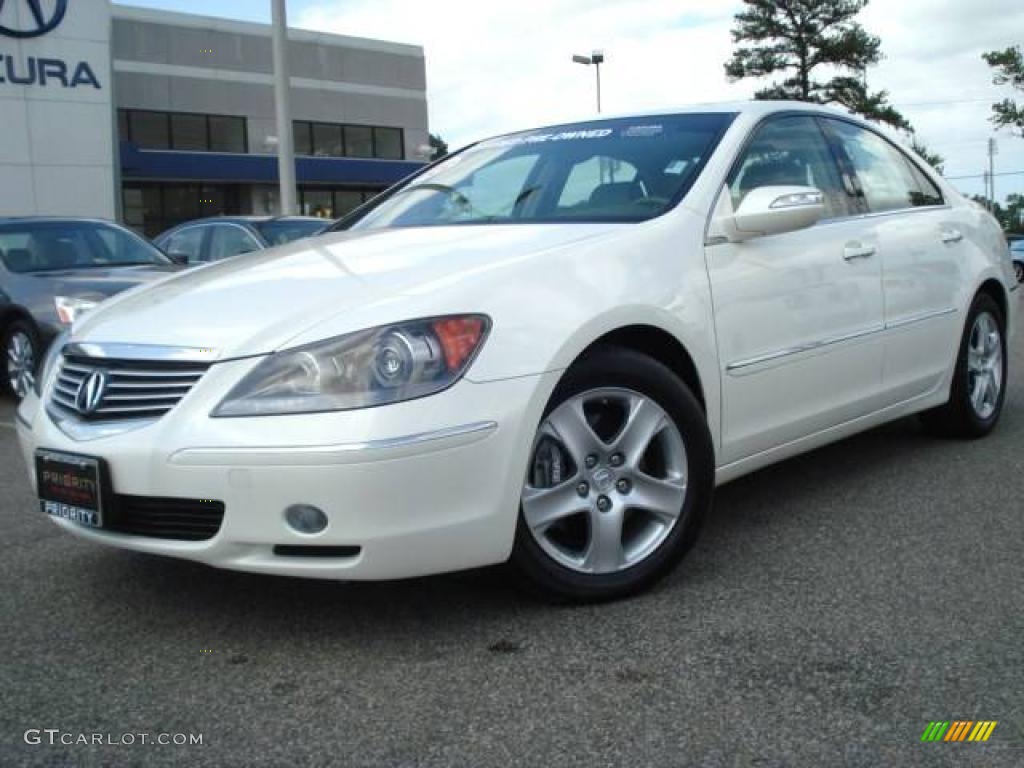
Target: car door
{"type": "Point", "coordinates": [187, 242]}
{"type": "Point", "coordinates": [227, 240]}
{"type": "Point", "coordinates": [921, 250]}
{"type": "Point", "coordinates": [798, 315]}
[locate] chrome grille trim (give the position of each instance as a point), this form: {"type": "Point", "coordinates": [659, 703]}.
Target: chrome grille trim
{"type": "Point", "coordinates": [135, 389]}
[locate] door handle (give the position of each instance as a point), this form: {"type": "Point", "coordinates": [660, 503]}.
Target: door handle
{"type": "Point", "coordinates": [853, 251]}
{"type": "Point", "coordinates": [952, 236]}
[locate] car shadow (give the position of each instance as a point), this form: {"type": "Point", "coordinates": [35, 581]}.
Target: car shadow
{"type": "Point", "coordinates": [191, 591]}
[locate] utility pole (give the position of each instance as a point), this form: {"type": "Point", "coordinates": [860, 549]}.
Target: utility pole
{"type": "Point", "coordinates": [283, 103]}
{"type": "Point", "coordinates": [992, 151]}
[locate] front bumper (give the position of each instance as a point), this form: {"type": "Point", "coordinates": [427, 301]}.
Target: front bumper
{"type": "Point", "coordinates": [421, 487]}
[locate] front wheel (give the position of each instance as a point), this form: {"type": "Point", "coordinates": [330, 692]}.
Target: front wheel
{"type": "Point", "coordinates": [979, 380]}
{"type": "Point", "coordinates": [21, 356]}
{"type": "Point", "coordinates": [620, 479]}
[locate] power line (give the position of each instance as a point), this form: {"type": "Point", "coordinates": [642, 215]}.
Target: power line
{"type": "Point", "coordinates": [983, 175]}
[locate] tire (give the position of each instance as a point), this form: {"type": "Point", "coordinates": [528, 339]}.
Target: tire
{"type": "Point", "coordinates": [1018, 270]}
{"type": "Point", "coordinates": [980, 365]}
{"type": "Point", "coordinates": [19, 338]}
{"type": "Point", "coordinates": [646, 494]}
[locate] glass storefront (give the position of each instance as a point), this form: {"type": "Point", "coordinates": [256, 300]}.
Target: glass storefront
{"type": "Point", "coordinates": [333, 202]}
{"type": "Point", "coordinates": [151, 208]}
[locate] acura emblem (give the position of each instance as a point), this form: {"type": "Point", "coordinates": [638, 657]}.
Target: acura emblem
{"type": "Point", "coordinates": [34, 18]}
{"type": "Point", "coordinates": [90, 392]}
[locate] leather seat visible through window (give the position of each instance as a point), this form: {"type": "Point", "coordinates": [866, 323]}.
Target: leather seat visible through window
{"type": "Point", "coordinates": [615, 194]}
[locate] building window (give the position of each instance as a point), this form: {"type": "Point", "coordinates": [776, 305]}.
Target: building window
{"type": "Point", "coordinates": [358, 141]}
{"type": "Point", "coordinates": [183, 131]}
{"type": "Point", "coordinates": [388, 143]}
{"type": "Point", "coordinates": [303, 136]}
{"type": "Point", "coordinates": [334, 140]}
{"type": "Point", "coordinates": [227, 134]}
{"type": "Point", "coordinates": [149, 129]}
{"type": "Point", "coordinates": [188, 132]}
{"type": "Point", "coordinates": [327, 140]}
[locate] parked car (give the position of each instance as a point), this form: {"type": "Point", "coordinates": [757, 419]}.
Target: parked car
{"type": "Point", "coordinates": [1017, 254]}
{"type": "Point", "coordinates": [52, 271]}
{"type": "Point", "coordinates": [548, 347]}
{"type": "Point", "coordinates": [221, 237]}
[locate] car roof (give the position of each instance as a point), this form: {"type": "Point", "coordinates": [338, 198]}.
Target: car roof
{"type": "Point", "coordinates": [57, 220]}
{"type": "Point", "coordinates": [249, 220]}
{"type": "Point", "coordinates": [753, 108]}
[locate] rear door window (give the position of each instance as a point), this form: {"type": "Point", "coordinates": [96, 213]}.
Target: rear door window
{"type": "Point", "coordinates": [187, 242]}
{"type": "Point", "coordinates": [888, 179]}
{"type": "Point", "coordinates": [227, 240]}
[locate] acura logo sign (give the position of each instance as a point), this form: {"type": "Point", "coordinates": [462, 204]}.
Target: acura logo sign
{"type": "Point", "coordinates": [31, 18]}
{"type": "Point", "coordinates": [90, 392]}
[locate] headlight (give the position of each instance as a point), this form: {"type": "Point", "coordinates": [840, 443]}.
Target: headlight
{"type": "Point", "coordinates": [70, 309]}
{"type": "Point", "coordinates": [360, 370]}
{"type": "Point", "coordinates": [46, 369]}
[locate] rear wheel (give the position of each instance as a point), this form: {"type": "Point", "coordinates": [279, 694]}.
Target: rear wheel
{"type": "Point", "coordinates": [620, 479]}
{"type": "Point", "coordinates": [21, 356]}
{"type": "Point", "coordinates": [979, 381]}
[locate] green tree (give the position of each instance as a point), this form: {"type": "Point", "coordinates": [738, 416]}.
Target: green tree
{"type": "Point", "coordinates": [1009, 70]}
{"type": "Point", "coordinates": [933, 159]}
{"type": "Point", "coordinates": [438, 147]}
{"type": "Point", "coordinates": [796, 38]}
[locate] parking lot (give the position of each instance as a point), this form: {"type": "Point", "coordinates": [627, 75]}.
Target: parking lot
{"type": "Point", "coordinates": [835, 605]}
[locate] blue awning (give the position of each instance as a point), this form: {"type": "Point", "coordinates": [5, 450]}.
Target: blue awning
{"type": "Point", "coordinates": [162, 165]}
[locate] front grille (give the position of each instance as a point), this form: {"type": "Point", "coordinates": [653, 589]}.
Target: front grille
{"type": "Point", "coordinates": [164, 518]}
{"type": "Point", "coordinates": [135, 389]}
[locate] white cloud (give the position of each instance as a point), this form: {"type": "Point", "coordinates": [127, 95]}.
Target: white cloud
{"type": "Point", "coordinates": [499, 65]}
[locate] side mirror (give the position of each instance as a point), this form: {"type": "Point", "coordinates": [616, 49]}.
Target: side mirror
{"type": "Point", "coordinates": [178, 258]}
{"type": "Point", "coordinates": [772, 211]}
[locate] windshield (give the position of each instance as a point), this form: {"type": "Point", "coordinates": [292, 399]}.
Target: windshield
{"type": "Point", "coordinates": [46, 246]}
{"type": "Point", "coordinates": [628, 169]}
{"type": "Point", "coordinates": [279, 232]}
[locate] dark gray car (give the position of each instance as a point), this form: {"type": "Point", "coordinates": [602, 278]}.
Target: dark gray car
{"type": "Point", "coordinates": [52, 270]}
{"type": "Point", "coordinates": [1017, 254]}
{"type": "Point", "coordinates": [221, 237]}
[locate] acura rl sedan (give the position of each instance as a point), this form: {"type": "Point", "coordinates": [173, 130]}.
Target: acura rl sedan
{"type": "Point", "coordinates": [52, 271]}
{"type": "Point", "coordinates": [547, 348]}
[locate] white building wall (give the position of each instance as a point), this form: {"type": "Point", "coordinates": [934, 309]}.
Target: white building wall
{"type": "Point", "coordinates": [57, 156]}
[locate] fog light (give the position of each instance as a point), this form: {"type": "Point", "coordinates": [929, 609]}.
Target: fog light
{"type": "Point", "coordinates": [305, 518]}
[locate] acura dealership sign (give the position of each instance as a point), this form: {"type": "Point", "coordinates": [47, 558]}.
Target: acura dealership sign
{"type": "Point", "coordinates": [35, 19]}
{"type": "Point", "coordinates": [58, 156]}
{"type": "Point", "coordinates": [38, 20]}
{"type": "Point", "coordinates": [44, 72]}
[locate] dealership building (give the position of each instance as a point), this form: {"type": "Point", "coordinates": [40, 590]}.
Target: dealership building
{"type": "Point", "coordinates": [154, 118]}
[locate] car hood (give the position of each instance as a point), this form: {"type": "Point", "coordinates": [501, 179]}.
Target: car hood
{"type": "Point", "coordinates": [100, 283]}
{"type": "Point", "coordinates": [255, 303]}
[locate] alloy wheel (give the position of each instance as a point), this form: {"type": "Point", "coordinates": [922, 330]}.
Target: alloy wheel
{"type": "Point", "coordinates": [607, 480]}
{"type": "Point", "coordinates": [985, 365]}
{"type": "Point", "coordinates": [21, 363]}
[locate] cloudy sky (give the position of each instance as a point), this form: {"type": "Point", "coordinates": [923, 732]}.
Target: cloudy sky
{"type": "Point", "coordinates": [500, 65]}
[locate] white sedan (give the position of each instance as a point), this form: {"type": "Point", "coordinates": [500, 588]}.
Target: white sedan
{"type": "Point", "coordinates": [547, 348]}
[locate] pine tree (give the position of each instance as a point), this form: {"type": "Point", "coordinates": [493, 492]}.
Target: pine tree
{"type": "Point", "coordinates": [1009, 70]}
{"type": "Point", "coordinates": [795, 38]}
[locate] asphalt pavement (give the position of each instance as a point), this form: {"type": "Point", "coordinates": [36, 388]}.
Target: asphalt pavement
{"type": "Point", "coordinates": [836, 604]}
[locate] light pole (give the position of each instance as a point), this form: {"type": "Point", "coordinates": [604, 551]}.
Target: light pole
{"type": "Point", "coordinates": [597, 59]}
{"type": "Point", "coordinates": [282, 97]}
